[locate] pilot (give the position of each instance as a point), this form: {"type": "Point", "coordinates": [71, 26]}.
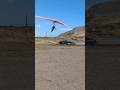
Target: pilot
{"type": "Point", "coordinates": [53, 28]}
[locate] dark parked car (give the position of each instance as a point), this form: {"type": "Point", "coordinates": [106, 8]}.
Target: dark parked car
{"type": "Point", "coordinates": [90, 41]}
{"type": "Point", "coordinates": [65, 42]}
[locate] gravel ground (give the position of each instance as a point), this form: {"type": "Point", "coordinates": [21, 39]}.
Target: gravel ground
{"type": "Point", "coordinates": [16, 66]}
{"type": "Point", "coordinates": [102, 65]}
{"type": "Point", "coordinates": [60, 68]}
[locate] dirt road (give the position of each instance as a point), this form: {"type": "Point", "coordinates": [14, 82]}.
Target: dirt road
{"type": "Point", "coordinates": [60, 68]}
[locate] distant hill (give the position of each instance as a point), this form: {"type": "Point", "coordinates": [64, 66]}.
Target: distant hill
{"type": "Point", "coordinates": [75, 35]}
{"type": "Point", "coordinates": [106, 19]}
{"type": "Point", "coordinates": [106, 13]}
{"type": "Point", "coordinates": [103, 22]}
{"type": "Point", "coordinates": [16, 34]}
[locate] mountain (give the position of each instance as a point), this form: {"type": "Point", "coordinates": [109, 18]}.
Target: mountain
{"type": "Point", "coordinates": [103, 22]}
{"type": "Point", "coordinates": [105, 13]}
{"type": "Point", "coordinates": [104, 19]}
{"type": "Point", "coordinates": [76, 34]}
{"type": "Point", "coordinates": [16, 34]}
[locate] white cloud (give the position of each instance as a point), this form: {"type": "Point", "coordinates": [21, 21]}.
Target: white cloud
{"type": "Point", "coordinates": [66, 29]}
{"type": "Point", "coordinates": [37, 26]}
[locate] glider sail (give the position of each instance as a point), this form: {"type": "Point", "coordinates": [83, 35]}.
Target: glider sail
{"type": "Point", "coordinates": [52, 20]}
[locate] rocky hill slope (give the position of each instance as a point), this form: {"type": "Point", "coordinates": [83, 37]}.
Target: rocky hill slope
{"type": "Point", "coordinates": [103, 23]}
{"type": "Point", "coordinates": [76, 35]}
{"type": "Point", "coordinates": [106, 21]}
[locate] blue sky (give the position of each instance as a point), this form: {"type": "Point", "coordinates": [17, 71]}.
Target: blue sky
{"type": "Point", "coordinates": [71, 12]}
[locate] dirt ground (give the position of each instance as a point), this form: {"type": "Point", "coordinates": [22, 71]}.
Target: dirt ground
{"type": "Point", "coordinates": [16, 66]}
{"type": "Point", "coordinates": [59, 68]}
{"type": "Point", "coordinates": [102, 67]}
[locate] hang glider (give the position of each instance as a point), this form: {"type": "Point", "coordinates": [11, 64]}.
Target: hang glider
{"type": "Point", "coordinates": [52, 20]}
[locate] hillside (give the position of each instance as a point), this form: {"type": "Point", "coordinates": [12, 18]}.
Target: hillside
{"type": "Point", "coordinates": [10, 34]}
{"type": "Point", "coordinates": [16, 34]}
{"type": "Point", "coordinates": [105, 21]}
{"type": "Point", "coordinates": [75, 35]}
